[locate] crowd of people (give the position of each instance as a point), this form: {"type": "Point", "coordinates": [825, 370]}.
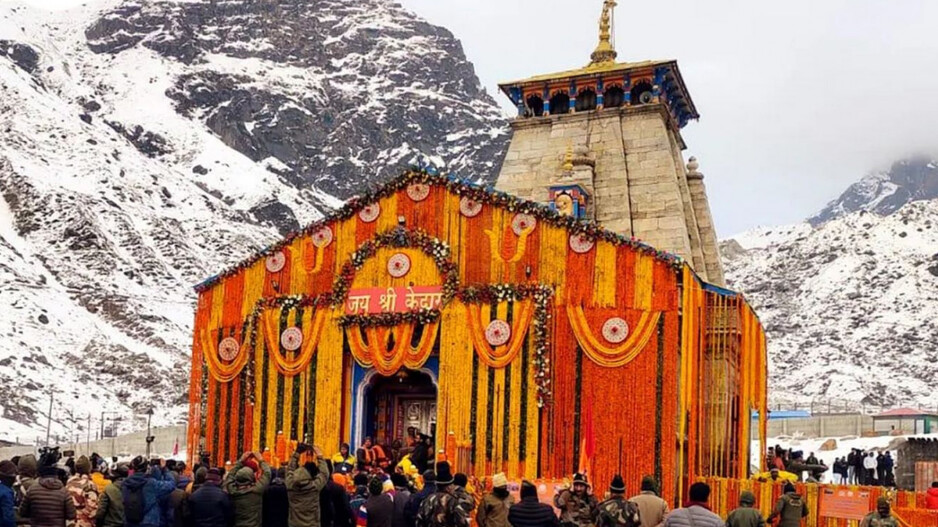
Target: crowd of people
{"type": "Point", "coordinates": [857, 468]}
{"type": "Point", "coordinates": [341, 491]}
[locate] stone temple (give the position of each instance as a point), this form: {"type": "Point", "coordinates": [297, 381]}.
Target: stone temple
{"type": "Point", "coordinates": [604, 142]}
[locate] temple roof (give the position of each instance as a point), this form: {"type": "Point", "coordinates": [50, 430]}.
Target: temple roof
{"type": "Point", "coordinates": [592, 69]}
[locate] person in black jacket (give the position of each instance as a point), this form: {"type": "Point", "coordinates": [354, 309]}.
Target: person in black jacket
{"type": "Point", "coordinates": [530, 512]}
{"type": "Point", "coordinates": [209, 506]}
{"type": "Point", "coordinates": [276, 503]}
{"type": "Point", "coordinates": [334, 507]}
{"type": "Point", "coordinates": [413, 504]}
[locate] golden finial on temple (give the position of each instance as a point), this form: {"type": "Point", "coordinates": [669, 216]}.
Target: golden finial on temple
{"type": "Point", "coordinates": [605, 51]}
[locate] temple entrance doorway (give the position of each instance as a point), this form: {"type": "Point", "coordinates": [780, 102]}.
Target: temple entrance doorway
{"type": "Point", "coordinates": [395, 404]}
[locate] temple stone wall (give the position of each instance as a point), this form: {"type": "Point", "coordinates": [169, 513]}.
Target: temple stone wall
{"type": "Point", "coordinates": [640, 184]}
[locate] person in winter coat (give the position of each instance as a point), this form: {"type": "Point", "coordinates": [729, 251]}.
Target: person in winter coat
{"type": "Point", "coordinates": [617, 511]}
{"type": "Point", "coordinates": [304, 484]}
{"type": "Point", "coordinates": [746, 515]}
{"type": "Point", "coordinates": [110, 511]}
{"type": "Point", "coordinates": [530, 512]}
{"type": "Point", "coordinates": [143, 494]}
{"type": "Point", "coordinates": [7, 497]}
{"type": "Point", "coordinates": [931, 497]}
{"type": "Point", "coordinates": [465, 500]}
{"type": "Point", "coordinates": [869, 467]}
{"type": "Point", "coordinates": [790, 508]}
{"type": "Point", "coordinates": [378, 511]}
{"type": "Point", "coordinates": [420, 456]}
{"type": "Point", "coordinates": [246, 489]}
{"type": "Point", "coordinates": [360, 496]}
{"type": "Point", "coordinates": [209, 505]}
{"type": "Point", "coordinates": [652, 509]}
{"type": "Point", "coordinates": [413, 505]}
{"type": "Point", "coordinates": [696, 512]}
{"type": "Point", "coordinates": [47, 504]}
{"type": "Point", "coordinates": [276, 503]}
{"type": "Point", "coordinates": [442, 508]}
{"type": "Point", "coordinates": [344, 462]}
{"type": "Point", "coordinates": [812, 459]}
{"type": "Point", "coordinates": [84, 493]}
{"type": "Point", "coordinates": [335, 500]}
{"type": "Point", "coordinates": [28, 472]}
{"type": "Point", "coordinates": [401, 497]}
{"type": "Point", "coordinates": [882, 517]}
{"type": "Point", "coordinates": [174, 506]}
{"type": "Point", "coordinates": [97, 476]}
{"type": "Point", "coordinates": [493, 511]}
{"type": "Point", "coordinates": [577, 506]}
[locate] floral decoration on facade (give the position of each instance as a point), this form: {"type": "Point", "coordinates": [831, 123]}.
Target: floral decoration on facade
{"type": "Point", "coordinates": [581, 244]}
{"type": "Point", "coordinates": [498, 332]}
{"type": "Point", "coordinates": [469, 207]}
{"type": "Point", "coordinates": [522, 223]}
{"type": "Point", "coordinates": [399, 265]}
{"type": "Point", "coordinates": [615, 330]}
{"type": "Point", "coordinates": [276, 261]}
{"type": "Point", "coordinates": [291, 339]}
{"type": "Point", "coordinates": [418, 191]}
{"type": "Point", "coordinates": [322, 237]}
{"type": "Point", "coordinates": [228, 349]}
{"type": "Point", "coordinates": [370, 212]}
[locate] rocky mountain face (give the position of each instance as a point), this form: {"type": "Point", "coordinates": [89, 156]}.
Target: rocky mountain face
{"type": "Point", "coordinates": [851, 305]}
{"type": "Point", "coordinates": [883, 193]}
{"type": "Point", "coordinates": [146, 145]}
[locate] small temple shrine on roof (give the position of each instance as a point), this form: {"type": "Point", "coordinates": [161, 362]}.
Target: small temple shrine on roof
{"type": "Point", "coordinates": [605, 84]}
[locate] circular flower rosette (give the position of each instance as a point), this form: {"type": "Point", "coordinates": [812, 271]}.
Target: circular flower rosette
{"type": "Point", "coordinates": [291, 339]}
{"type": "Point", "coordinates": [497, 333]}
{"type": "Point", "coordinates": [418, 191]}
{"type": "Point", "coordinates": [615, 330]}
{"type": "Point", "coordinates": [228, 349]}
{"type": "Point", "coordinates": [275, 262]}
{"type": "Point", "coordinates": [322, 237]}
{"type": "Point", "coordinates": [522, 223]}
{"type": "Point", "coordinates": [369, 213]}
{"type": "Point", "coordinates": [581, 243]}
{"type": "Point", "coordinates": [469, 207]}
{"type": "Point", "coordinates": [398, 265]}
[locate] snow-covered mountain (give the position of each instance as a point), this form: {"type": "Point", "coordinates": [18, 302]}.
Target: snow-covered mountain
{"type": "Point", "coordinates": [145, 145]}
{"type": "Point", "coordinates": [884, 192]}
{"type": "Point", "coordinates": [851, 305]}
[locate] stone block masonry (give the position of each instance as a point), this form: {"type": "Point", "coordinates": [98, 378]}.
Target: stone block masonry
{"type": "Point", "coordinates": [640, 184]}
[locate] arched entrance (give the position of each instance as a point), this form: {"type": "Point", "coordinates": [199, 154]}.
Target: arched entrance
{"type": "Point", "coordinates": [387, 406]}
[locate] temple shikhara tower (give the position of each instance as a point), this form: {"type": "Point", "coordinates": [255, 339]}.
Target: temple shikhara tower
{"type": "Point", "coordinates": [573, 319]}
{"type": "Point", "coordinates": [608, 138]}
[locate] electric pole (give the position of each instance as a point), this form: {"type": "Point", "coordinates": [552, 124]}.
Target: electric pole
{"type": "Point", "coordinates": [49, 417]}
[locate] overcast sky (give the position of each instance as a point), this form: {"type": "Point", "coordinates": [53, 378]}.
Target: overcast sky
{"type": "Point", "coordinates": [798, 99]}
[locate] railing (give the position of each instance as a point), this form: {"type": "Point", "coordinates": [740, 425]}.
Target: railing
{"type": "Point", "coordinates": [908, 507]}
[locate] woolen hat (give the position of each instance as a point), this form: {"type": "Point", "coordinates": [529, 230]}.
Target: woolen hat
{"type": "Point", "coordinates": [499, 480]}
{"type": "Point", "coordinates": [83, 465]}
{"type": "Point", "coordinates": [7, 469]}
{"type": "Point", "coordinates": [580, 478]}
{"type": "Point", "coordinates": [443, 475]}
{"type": "Point", "coordinates": [617, 486]}
{"type": "Point", "coordinates": [244, 475]}
{"type": "Point", "coordinates": [747, 499]}
{"type": "Point", "coordinates": [788, 488]}
{"type": "Point", "coordinates": [28, 466]}
{"type": "Point", "coordinates": [121, 470]}
{"type": "Point", "coordinates": [528, 489]}
{"type": "Point", "coordinates": [883, 501]}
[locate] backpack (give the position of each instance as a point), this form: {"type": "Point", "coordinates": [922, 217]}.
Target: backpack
{"type": "Point", "coordinates": [135, 507]}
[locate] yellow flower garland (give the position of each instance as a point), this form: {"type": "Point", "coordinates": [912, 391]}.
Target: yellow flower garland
{"type": "Point", "coordinates": [375, 353]}
{"type": "Point", "coordinates": [312, 329]}
{"type": "Point", "coordinates": [612, 356]}
{"type": "Point", "coordinates": [220, 371]}
{"type": "Point", "coordinates": [502, 355]}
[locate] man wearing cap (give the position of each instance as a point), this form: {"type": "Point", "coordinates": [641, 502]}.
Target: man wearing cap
{"type": "Point", "coordinates": [110, 511]}
{"type": "Point", "coordinates": [344, 462]}
{"type": "Point", "coordinates": [746, 515]}
{"type": "Point", "coordinates": [441, 509]}
{"type": "Point", "coordinates": [577, 506]}
{"type": "Point", "coordinates": [493, 511]}
{"type": "Point", "coordinates": [47, 503]}
{"type": "Point", "coordinates": [651, 507]}
{"type": "Point", "coordinates": [413, 504]}
{"type": "Point", "coordinates": [7, 479]}
{"type": "Point", "coordinates": [790, 508]}
{"type": "Point", "coordinates": [246, 484]}
{"type": "Point", "coordinates": [882, 517]}
{"type": "Point", "coordinates": [209, 505]}
{"type": "Point", "coordinates": [84, 493]}
{"type": "Point", "coordinates": [304, 485]}
{"type": "Point", "coordinates": [617, 511]}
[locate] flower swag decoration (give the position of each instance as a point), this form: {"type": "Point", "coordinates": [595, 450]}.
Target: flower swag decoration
{"type": "Point", "coordinates": [464, 189]}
